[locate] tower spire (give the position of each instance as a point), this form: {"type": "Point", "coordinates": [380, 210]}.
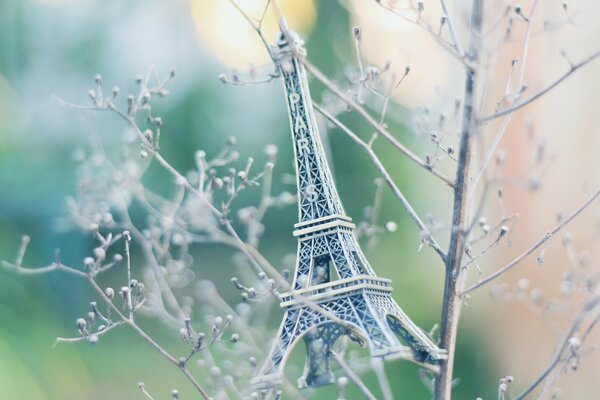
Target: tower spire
{"type": "Point", "coordinates": [317, 196]}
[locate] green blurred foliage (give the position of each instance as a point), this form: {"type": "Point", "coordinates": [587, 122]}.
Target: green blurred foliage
{"type": "Point", "coordinates": [54, 47]}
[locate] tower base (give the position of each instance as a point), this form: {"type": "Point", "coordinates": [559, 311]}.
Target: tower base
{"type": "Point", "coordinates": [365, 312]}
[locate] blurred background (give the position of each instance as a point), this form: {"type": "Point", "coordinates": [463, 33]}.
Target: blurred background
{"type": "Point", "coordinates": [55, 47]}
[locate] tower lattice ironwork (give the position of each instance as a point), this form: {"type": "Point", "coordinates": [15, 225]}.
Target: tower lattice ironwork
{"type": "Point", "coordinates": [334, 291]}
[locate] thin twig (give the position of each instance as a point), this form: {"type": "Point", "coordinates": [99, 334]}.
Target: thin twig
{"type": "Point", "coordinates": [57, 265]}
{"type": "Point", "coordinates": [450, 23]}
{"type": "Point", "coordinates": [542, 92]}
{"type": "Point", "coordinates": [256, 27]}
{"type": "Point", "coordinates": [426, 235]}
{"type": "Point", "coordinates": [368, 118]}
{"type": "Point", "coordinates": [534, 247]}
{"type": "Point", "coordinates": [43, 270]}
{"type": "Point", "coordinates": [588, 307]}
{"type": "Point", "coordinates": [449, 47]}
{"type": "Point", "coordinates": [355, 378]}
{"type": "Point", "coordinates": [144, 391]}
{"type": "Point", "coordinates": [148, 339]}
{"type": "Point", "coordinates": [153, 151]}
{"type": "Point", "coordinates": [519, 89]}
{"type": "Point", "coordinates": [87, 337]}
{"type": "Point", "coordinates": [89, 277]}
{"type": "Point", "coordinates": [384, 383]}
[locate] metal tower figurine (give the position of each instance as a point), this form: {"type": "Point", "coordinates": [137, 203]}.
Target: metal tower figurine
{"type": "Point", "coordinates": [334, 291]}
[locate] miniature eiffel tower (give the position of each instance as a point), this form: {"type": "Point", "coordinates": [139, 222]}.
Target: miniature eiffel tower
{"type": "Point", "coordinates": [322, 307]}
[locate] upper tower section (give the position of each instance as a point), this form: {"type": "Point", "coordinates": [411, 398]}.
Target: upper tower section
{"type": "Point", "coordinates": [318, 200]}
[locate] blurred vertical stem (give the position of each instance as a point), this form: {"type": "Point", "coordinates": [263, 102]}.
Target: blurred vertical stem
{"type": "Point", "coordinates": [460, 221]}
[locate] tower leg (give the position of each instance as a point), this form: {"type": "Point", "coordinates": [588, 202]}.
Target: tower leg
{"type": "Point", "coordinates": [423, 348]}
{"type": "Point", "coordinates": [319, 340]}
{"type": "Point", "coordinates": [381, 339]}
{"type": "Point", "coordinates": [270, 373]}
{"type": "Point", "coordinates": [319, 336]}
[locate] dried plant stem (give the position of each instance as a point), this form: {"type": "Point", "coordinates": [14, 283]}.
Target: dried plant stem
{"type": "Point", "coordinates": [452, 31]}
{"type": "Point", "coordinates": [145, 392]}
{"type": "Point", "coordinates": [384, 383]}
{"type": "Point", "coordinates": [123, 319]}
{"type": "Point", "coordinates": [57, 265]}
{"type": "Point", "coordinates": [259, 262]}
{"type": "Point", "coordinates": [352, 375]}
{"type": "Point", "coordinates": [43, 270]}
{"type": "Point", "coordinates": [519, 87]}
{"type": "Point", "coordinates": [460, 222]}
{"type": "Point", "coordinates": [425, 234]}
{"type": "Point", "coordinates": [86, 337]}
{"type": "Point", "coordinates": [535, 246]}
{"type": "Point", "coordinates": [588, 307]}
{"type": "Point", "coordinates": [371, 121]}
{"type": "Point", "coordinates": [147, 338]}
{"type": "Point", "coordinates": [165, 293]}
{"type": "Point", "coordinates": [451, 48]}
{"type": "Point", "coordinates": [258, 25]}
{"type": "Point", "coordinates": [542, 92]}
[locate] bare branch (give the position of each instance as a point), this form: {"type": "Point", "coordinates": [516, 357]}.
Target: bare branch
{"type": "Point", "coordinates": [452, 48]}
{"type": "Point", "coordinates": [87, 337]}
{"type": "Point", "coordinates": [556, 359]}
{"type": "Point", "coordinates": [534, 247]}
{"type": "Point", "coordinates": [142, 387]}
{"type": "Point", "coordinates": [368, 118]}
{"type": "Point", "coordinates": [450, 23]}
{"type": "Point", "coordinates": [148, 339]}
{"type": "Point", "coordinates": [426, 236]}
{"type": "Point", "coordinates": [542, 92]}
{"type": "Point", "coordinates": [507, 118]}
{"type": "Point", "coordinates": [256, 27]}
{"type": "Point", "coordinates": [355, 378]}
{"type": "Point", "coordinates": [57, 265]}
{"type": "Point", "coordinates": [89, 277]}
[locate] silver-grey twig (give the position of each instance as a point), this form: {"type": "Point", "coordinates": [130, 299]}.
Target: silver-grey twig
{"type": "Point", "coordinates": [534, 247]}
{"type": "Point", "coordinates": [452, 30]}
{"type": "Point", "coordinates": [587, 308]}
{"type": "Point", "coordinates": [148, 339]}
{"type": "Point", "coordinates": [542, 92]}
{"type": "Point", "coordinates": [372, 121]}
{"type": "Point", "coordinates": [451, 48]}
{"type": "Point", "coordinates": [355, 378]}
{"type": "Point", "coordinates": [426, 235]}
